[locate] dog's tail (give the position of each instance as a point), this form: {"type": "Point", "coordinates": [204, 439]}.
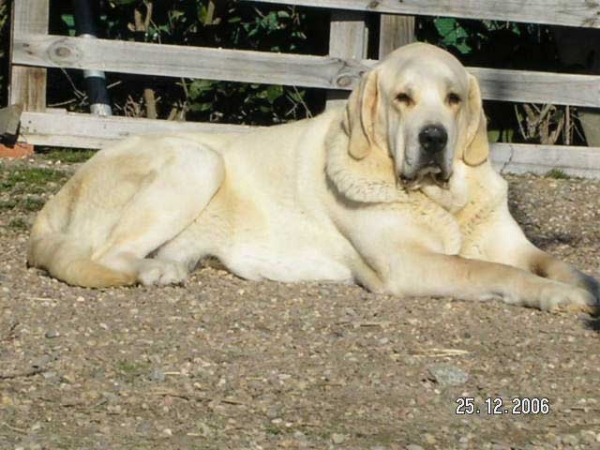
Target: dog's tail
{"type": "Point", "coordinates": [70, 261]}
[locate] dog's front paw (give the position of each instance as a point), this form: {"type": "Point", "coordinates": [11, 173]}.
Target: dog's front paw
{"type": "Point", "coordinates": [559, 297]}
{"type": "Point", "coordinates": [161, 272]}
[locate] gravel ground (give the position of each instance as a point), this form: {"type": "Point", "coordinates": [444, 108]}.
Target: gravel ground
{"type": "Point", "coordinates": [224, 363]}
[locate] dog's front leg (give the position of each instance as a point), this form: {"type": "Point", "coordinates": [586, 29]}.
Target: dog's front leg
{"type": "Point", "coordinates": [401, 253]}
{"type": "Point", "coordinates": [503, 241]}
{"type": "Point", "coordinates": [415, 273]}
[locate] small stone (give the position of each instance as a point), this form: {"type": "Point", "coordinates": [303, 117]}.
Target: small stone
{"type": "Point", "coordinates": [68, 378]}
{"type": "Point", "coordinates": [501, 446]}
{"type": "Point", "coordinates": [167, 432]}
{"type": "Point", "coordinates": [350, 312]}
{"type": "Point", "coordinates": [114, 409]}
{"type": "Point", "coordinates": [429, 439]}
{"type": "Point", "coordinates": [157, 375]}
{"type": "Point", "coordinates": [52, 334]}
{"type": "Point", "coordinates": [338, 438]}
{"type": "Point", "coordinates": [273, 412]}
{"type": "Point", "coordinates": [41, 362]}
{"type": "Point", "coordinates": [448, 375]}
{"type": "Point", "coordinates": [570, 439]}
{"type": "Point", "coordinates": [204, 429]}
{"type": "Point", "coordinates": [144, 428]}
{"type": "Point", "coordinates": [414, 447]}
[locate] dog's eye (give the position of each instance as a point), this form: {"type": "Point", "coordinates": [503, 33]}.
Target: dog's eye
{"type": "Point", "coordinates": [453, 99]}
{"type": "Point", "coordinates": [403, 97]}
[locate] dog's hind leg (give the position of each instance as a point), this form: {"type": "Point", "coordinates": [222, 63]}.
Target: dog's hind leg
{"type": "Point", "coordinates": [168, 202]}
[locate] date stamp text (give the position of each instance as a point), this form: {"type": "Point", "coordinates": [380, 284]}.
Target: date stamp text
{"type": "Point", "coordinates": [496, 406]}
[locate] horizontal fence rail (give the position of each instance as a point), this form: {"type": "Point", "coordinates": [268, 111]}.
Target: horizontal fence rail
{"type": "Point", "coordinates": [278, 68]}
{"type": "Point", "coordinates": [59, 128]}
{"type": "Point", "coordinates": [541, 159]}
{"type": "Point", "coordinates": [575, 13]}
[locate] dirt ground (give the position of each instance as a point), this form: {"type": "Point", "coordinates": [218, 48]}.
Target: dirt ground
{"type": "Point", "coordinates": [224, 363]}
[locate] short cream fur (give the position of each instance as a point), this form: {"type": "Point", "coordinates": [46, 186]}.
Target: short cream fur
{"type": "Point", "coordinates": [319, 199]}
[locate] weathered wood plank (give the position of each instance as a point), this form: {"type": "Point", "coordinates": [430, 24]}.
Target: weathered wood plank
{"type": "Point", "coordinates": [540, 159]}
{"type": "Point", "coordinates": [580, 13]}
{"type": "Point", "coordinates": [28, 84]}
{"type": "Point", "coordinates": [395, 31]}
{"type": "Point", "coordinates": [348, 39]}
{"type": "Point", "coordinates": [277, 68]}
{"type": "Point", "coordinates": [59, 128]}
{"type": "Point", "coordinates": [538, 87]}
{"type": "Point", "coordinates": [183, 61]}
{"type": "Point", "coordinates": [88, 131]}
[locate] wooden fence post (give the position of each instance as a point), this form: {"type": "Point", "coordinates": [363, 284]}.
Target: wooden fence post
{"type": "Point", "coordinates": [28, 84]}
{"type": "Point", "coordinates": [395, 31]}
{"type": "Point", "coordinates": [348, 38]}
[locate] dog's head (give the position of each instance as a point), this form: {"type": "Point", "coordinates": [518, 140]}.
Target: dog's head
{"type": "Point", "coordinates": [423, 109]}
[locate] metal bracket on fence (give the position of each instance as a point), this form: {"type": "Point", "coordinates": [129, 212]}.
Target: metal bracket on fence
{"type": "Point", "coordinates": [9, 124]}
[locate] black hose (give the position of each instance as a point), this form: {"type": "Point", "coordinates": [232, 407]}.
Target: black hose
{"type": "Point", "coordinates": [85, 12]}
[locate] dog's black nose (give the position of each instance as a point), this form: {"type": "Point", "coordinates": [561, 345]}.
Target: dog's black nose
{"type": "Point", "coordinates": [433, 138]}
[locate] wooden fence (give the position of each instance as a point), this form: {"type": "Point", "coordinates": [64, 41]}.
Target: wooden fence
{"type": "Point", "coordinates": [34, 50]}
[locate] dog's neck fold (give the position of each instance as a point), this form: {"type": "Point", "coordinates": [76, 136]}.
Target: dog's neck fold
{"type": "Point", "coordinates": [369, 180]}
{"type": "Point", "coordinates": [373, 179]}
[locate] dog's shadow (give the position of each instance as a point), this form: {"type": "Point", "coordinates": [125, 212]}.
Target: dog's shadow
{"type": "Point", "coordinates": [592, 323]}
{"type": "Point", "coordinates": [534, 230]}
{"type": "Point", "coordinates": [547, 241]}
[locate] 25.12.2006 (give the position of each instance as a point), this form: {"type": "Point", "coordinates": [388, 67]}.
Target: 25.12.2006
{"type": "Point", "coordinates": [496, 406]}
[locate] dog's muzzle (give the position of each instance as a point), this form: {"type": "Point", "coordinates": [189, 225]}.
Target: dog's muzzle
{"type": "Point", "coordinates": [433, 140]}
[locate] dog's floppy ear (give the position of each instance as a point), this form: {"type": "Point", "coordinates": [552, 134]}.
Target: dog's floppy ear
{"type": "Point", "coordinates": [477, 150]}
{"type": "Point", "coordinates": [360, 116]}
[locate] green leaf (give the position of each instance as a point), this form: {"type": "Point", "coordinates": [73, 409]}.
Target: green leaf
{"type": "Point", "coordinates": [273, 93]}
{"type": "Point", "coordinates": [200, 107]}
{"type": "Point", "coordinates": [175, 14]}
{"type": "Point", "coordinates": [122, 2]}
{"type": "Point", "coordinates": [493, 135]}
{"type": "Point", "coordinates": [198, 87]}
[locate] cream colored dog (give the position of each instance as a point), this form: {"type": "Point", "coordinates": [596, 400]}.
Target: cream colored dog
{"type": "Point", "coordinates": [394, 192]}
